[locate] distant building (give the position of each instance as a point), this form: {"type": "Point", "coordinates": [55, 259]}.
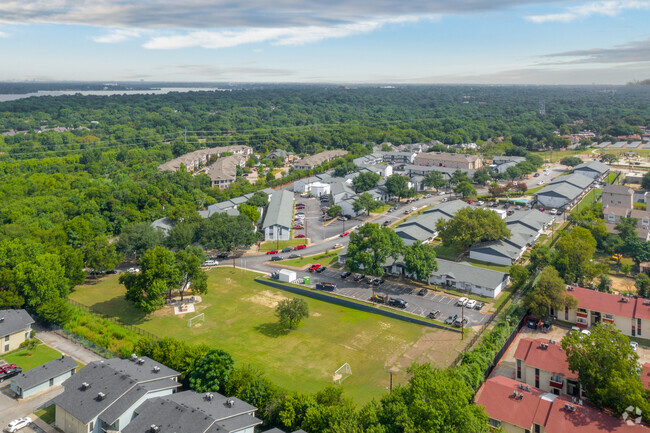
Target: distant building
{"type": "Point", "coordinates": [15, 328]}
{"type": "Point", "coordinates": [501, 163]}
{"type": "Point", "coordinates": [278, 221]}
{"type": "Point", "coordinates": [471, 279]}
{"type": "Point", "coordinates": [565, 191]}
{"type": "Point", "coordinates": [449, 160]}
{"type": "Point", "coordinates": [400, 157]}
{"type": "Point", "coordinates": [200, 158]}
{"type": "Point", "coordinates": [223, 171]}
{"type": "Point", "coordinates": [309, 162]}
{"type": "Point", "coordinates": [594, 169]}
{"type": "Point", "coordinates": [618, 196]}
{"type": "Point", "coordinates": [422, 228]}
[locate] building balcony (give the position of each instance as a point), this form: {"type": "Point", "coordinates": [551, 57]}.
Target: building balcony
{"type": "Point", "coordinates": [583, 315]}
{"type": "Point", "coordinates": [582, 325]}
{"type": "Point", "coordinates": [556, 382]}
{"type": "Point", "coordinates": [608, 320]}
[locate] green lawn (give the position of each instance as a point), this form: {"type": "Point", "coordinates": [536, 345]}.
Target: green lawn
{"type": "Point", "coordinates": [28, 359]}
{"type": "Point", "coordinates": [492, 266]}
{"type": "Point", "coordinates": [450, 253]}
{"type": "Point", "coordinates": [589, 199]}
{"type": "Point", "coordinates": [47, 414]}
{"type": "Point", "coordinates": [325, 259]}
{"type": "Point", "coordinates": [381, 209]}
{"type": "Point", "coordinates": [534, 190]}
{"type": "Point", "coordinates": [239, 318]}
{"type": "Point", "coordinates": [610, 177]}
{"type": "Point", "coordinates": [278, 245]}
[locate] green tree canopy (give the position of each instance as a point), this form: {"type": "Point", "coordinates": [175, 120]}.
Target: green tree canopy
{"type": "Point", "coordinates": [365, 181]}
{"type": "Point", "coordinates": [137, 238]}
{"type": "Point", "coordinates": [420, 260]}
{"type": "Point", "coordinates": [549, 293]}
{"type": "Point", "coordinates": [465, 188]}
{"type": "Point", "coordinates": [482, 176]}
{"type": "Point", "coordinates": [365, 202]}
{"type": "Point", "coordinates": [249, 211]}
{"type": "Point", "coordinates": [212, 372]}
{"type": "Point", "coordinates": [226, 233]}
{"type": "Point", "coordinates": [471, 225]}
{"type": "Point", "coordinates": [259, 199]}
{"type": "Point", "coordinates": [290, 312]}
{"type": "Point", "coordinates": [398, 185]}
{"type": "Point", "coordinates": [518, 275]}
{"type": "Point", "coordinates": [370, 246]}
{"type": "Point", "coordinates": [434, 179]}
{"type": "Point", "coordinates": [574, 252]}
{"type": "Point", "coordinates": [334, 211]}
{"type": "Point", "coordinates": [571, 161]}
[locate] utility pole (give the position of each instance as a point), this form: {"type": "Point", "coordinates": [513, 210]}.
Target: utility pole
{"type": "Point", "coordinates": [185, 135]}
{"type": "Point", "coordinates": [462, 322]}
{"type": "Point", "coordinates": [390, 388]}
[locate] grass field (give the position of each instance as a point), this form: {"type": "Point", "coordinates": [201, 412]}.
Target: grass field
{"type": "Point", "coordinates": [589, 199]}
{"type": "Point", "coordinates": [325, 259]}
{"type": "Point", "coordinates": [278, 245]}
{"type": "Point", "coordinates": [28, 359]}
{"type": "Point", "coordinates": [239, 318]}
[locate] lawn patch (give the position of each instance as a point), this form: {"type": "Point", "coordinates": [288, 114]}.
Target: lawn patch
{"type": "Point", "coordinates": [46, 414]}
{"type": "Point", "coordinates": [278, 245]}
{"type": "Point", "coordinates": [31, 358]}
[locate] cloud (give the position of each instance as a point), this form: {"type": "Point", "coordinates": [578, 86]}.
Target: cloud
{"type": "Point", "coordinates": [4, 34]}
{"type": "Point", "coordinates": [609, 8]}
{"type": "Point", "coordinates": [221, 14]}
{"type": "Point", "coordinates": [278, 36]}
{"type": "Point", "coordinates": [636, 51]}
{"type": "Point", "coordinates": [117, 35]}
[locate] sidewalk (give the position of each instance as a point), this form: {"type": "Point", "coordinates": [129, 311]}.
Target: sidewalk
{"type": "Point", "coordinates": [66, 346]}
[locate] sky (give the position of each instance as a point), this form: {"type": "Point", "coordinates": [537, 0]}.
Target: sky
{"type": "Point", "coordinates": [333, 41]}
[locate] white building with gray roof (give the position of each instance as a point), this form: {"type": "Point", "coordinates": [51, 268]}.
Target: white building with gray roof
{"type": "Point", "coordinates": [423, 227]}
{"type": "Point", "coordinates": [470, 279]}
{"type": "Point", "coordinates": [564, 191]}
{"type": "Point", "coordinates": [277, 223]}
{"type": "Point", "coordinates": [44, 377]}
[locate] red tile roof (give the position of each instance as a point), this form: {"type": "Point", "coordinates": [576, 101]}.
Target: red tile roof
{"type": "Point", "coordinates": [545, 409]}
{"type": "Point", "coordinates": [603, 302]}
{"type": "Point", "coordinates": [551, 359]}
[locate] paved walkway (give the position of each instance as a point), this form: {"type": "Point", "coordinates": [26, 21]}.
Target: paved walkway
{"type": "Point", "coordinates": [66, 346]}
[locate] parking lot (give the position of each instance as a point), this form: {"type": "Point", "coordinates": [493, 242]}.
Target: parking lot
{"type": "Point", "coordinates": [314, 229]}
{"type": "Point", "coordinates": [419, 305]}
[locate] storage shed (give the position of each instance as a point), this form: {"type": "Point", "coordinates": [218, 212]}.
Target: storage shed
{"type": "Point", "coordinates": [286, 276]}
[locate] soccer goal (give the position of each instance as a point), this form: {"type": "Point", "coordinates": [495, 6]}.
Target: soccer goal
{"type": "Point", "coordinates": [196, 319]}
{"type": "Point", "coordinates": [342, 373]}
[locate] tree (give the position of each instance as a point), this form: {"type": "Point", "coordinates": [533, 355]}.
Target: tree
{"type": "Point", "coordinates": [41, 281]}
{"type": "Point", "coordinates": [397, 185]}
{"type": "Point", "coordinates": [249, 211]}
{"type": "Point", "coordinates": [158, 276]}
{"type": "Point", "coordinates": [101, 256]}
{"type": "Point", "coordinates": [291, 312]}
{"type": "Point", "coordinates": [212, 372]}
{"type": "Point", "coordinates": [459, 177]}
{"type": "Point", "coordinates": [549, 293]}
{"type": "Point", "coordinates": [434, 179]}
{"type": "Point", "coordinates": [626, 228]}
{"type": "Point", "coordinates": [466, 189]}
{"type": "Point", "coordinates": [344, 168]}
{"type": "Point", "coordinates": [604, 284]}
{"type": "Point", "coordinates": [191, 276]}
{"type": "Point", "coordinates": [420, 260]}
{"type": "Point", "coordinates": [259, 199]}
{"type": "Point", "coordinates": [365, 202]}
{"type": "Point", "coordinates": [637, 249]}
{"type": "Point", "coordinates": [334, 211]}
{"type": "Point", "coordinates": [226, 233]}
{"type": "Point", "coordinates": [365, 181]}
{"type": "Point", "coordinates": [137, 238]}
{"type": "Point", "coordinates": [518, 275]}
{"type": "Point", "coordinates": [645, 181]}
{"type": "Point", "coordinates": [471, 225]}
{"type": "Point", "coordinates": [571, 161]}
{"type": "Point", "coordinates": [642, 285]}
{"type": "Point", "coordinates": [607, 368]}
{"type": "Point", "coordinates": [10, 299]}
{"type": "Point", "coordinates": [609, 158]}
{"type": "Point", "coordinates": [541, 256]}
{"type": "Point", "coordinates": [574, 253]}
{"type": "Point", "coordinates": [369, 248]}
{"type": "Point", "coordinates": [512, 173]}
{"type": "Point", "coordinates": [482, 176]}
{"type": "Point", "coordinates": [181, 235]}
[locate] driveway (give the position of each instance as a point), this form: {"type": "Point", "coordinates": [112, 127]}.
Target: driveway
{"type": "Point", "coordinates": [66, 346]}
{"type": "Point", "coordinates": [11, 408]}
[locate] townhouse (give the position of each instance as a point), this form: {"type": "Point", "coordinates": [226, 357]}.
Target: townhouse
{"type": "Point", "coordinates": [278, 221]}
{"type": "Point", "coordinates": [449, 160]}
{"type": "Point", "coordinates": [15, 327]}
{"type": "Point", "coordinates": [223, 171]}
{"type": "Point", "coordinates": [423, 227]}
{"type": "Point", "coordinates": [564, 191]}
{"type": "Point", "coordinates": [200, 158]}
{"type": "Point", "coordinates": [312, 161]}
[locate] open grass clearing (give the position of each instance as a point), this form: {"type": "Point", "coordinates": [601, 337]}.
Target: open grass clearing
{"type": "Point", "coordinates": [31, 358]}
{"type": "Point", "coordinates": [239, 318]}
{"type": "Point", "coordinates": [325, 259]}
{"type": "Point", "coordinates": [589, 199]}
{"type": "Point", "coordinates": [278, 245]}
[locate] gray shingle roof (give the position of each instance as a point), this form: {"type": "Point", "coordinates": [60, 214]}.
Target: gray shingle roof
{"type": "Point", "coordinates": [14, 321]}
{"type": "Point", "coordinates": [594, 166]}
{"type": "Point", "coordinates": [463, 271]}
{"type": "Point", "coordinates": [280, 210]}
{"type": "Point", "coordinates": [575, 179]}
{"type": "Point", "coordinates": [44, 373]}
{"type": "Point", "coordinates": [618, 189]}
{"type": "Point", "coordinates": [116, 378]}
{"type": "Point", "coordinates": [567, 191]}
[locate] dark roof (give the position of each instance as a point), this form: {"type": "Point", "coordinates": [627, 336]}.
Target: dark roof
{"type": "Point", "coordinates": [121, 380]}
{"type": "Point", "coordinates": [618, 189]}
{"type": "Point", "coordinates": [14, 321]}
{"type": "Point", "coordinates": [45, 372]}
{"type": "Point", "coordinates": [280, 210]}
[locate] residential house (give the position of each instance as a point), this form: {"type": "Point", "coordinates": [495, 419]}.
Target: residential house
{"type": "Point", "coordinates": [370, 159]}
{"type": "Point", "coordinates": [200, 158]}
{"type": "Point", "coordinates": [384, 170]}
{"type": "Point", "coordinates": [15, 327]}
{"type": "Point", "coordinates": [191, 412]}
{"type": "Point", "coordinates": [618, 196]}
{"type": "Point", "coordinates": [517, 409]}
{"type": "Point", "coordinates": [42, 378]}
{"type": "Point", "coordinates": [564, 191]}
{"type": "Point", "coordinates": [304, 185]}
{"type": "Point", "coordinates": [164, 224]}
{"type": "Point", "coordinates": [277, 223]}
{"type": "Point", "coordinates": [613, 215]}
{"type": "Point", "coordinates": [594, 169]}
{"type": "Point", "coordinates": [223, 171]}
{"type": "Point", "coordinates": [104, 395]}
{"type": "Point", "coordinates": [279, 153]}
{"type": "Point", "coordinates": [423, 227]}
{"type": "Point", "coordinates": [449, 160]}
{"type": "Point", "coordinates": [542, 363]}
{"type": "Point", "coordinates": [399, 157]}
{"type": "Point", "coordinates": [471, 279]}
{"type": "Point", "coordinates": [501, 163]}
{"type": "Point", "coordinates": [312, 161]}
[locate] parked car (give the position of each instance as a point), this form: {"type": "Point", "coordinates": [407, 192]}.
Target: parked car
{"type": "Point", "coordinates": [470, 304]}
{"type": "Point", "coordinates": [133, 270]}
{"type": "Point", "coordinates": [294, 256]}
{"type": "Point", "coordinates": [398, 302]}
{"type": "Point", "coordinates": [299, 247]}
{"type": "Point", "coordinates": [585, 332]}
{"type": "Point", "coordinates": [445, 199]}
{"type": "Point", "coordinates": [541, 209]}
{"type": "Point", "coordinates": [536, 175]}
{"type": "Point", "coordinates": [441, 193]}
{"type": "Point", "coordinates": [17, 424]}
{"type": "Point", "coordinates": [344, 234]}
{"type": "Point", "coordinates": [449, 320]}
{"type": "Point", "coordinates": [300, 236]}
{"type": "Point", "coordinates": [413, 208]}
{"type": "Point", "coordinates": [460, 322]}
{"type": "Point", "coordinates": [380, 299]}
{"type": "Point", "coordinates": [462, 301]}
{"type": "Point", "coordinates": [300, 207]}
{"type": "Point", "coordinates": [326, 286]}
{"type": "Point", "coordinates": [378, 281]}
{"type": "Point", "coordinates": [276, 258]}
{"type": "Point", "coordinates": [10, 373]}
{"type": "Point", "coordinates": [469, 201]}
{"type": "Point", "coordinates": [287, 249]}
{"type": "Point", "coordinates": [338, 246]}
{"type": "Point", "coordinates": [300, 215]}
{"type": "Point", "coordinates": [210, 263]}
{"type": "Point", "coordinates": [547, 325]}
{"type": "Point", "coordinates": [553, 211]}
{"type": "Point", "coordinates": [369, 280]}
{"type": "Point", "coordinates": [298, 227]}
{"type": "Point", "coordinates": [479, 305]}
{"type": "Point", "coordinates": [299, 204]}
{"type": "Point", "coordinates": [434, 314]}
{"type": "Point", "coordinates": [272, 252]}
{"type": "Point", "coordinates": [386, 223]}
{"type": "Point", "coordinates": [343, 218]}
{"type": "Point", "coordinates": [346, 274]}
{"type": "Point", "coordinates": [321, 269]}
{"type": "Point", "coordinates": [313, 267]}
{"type": "Point", "coordinates": [7, 367]}
{"type": "Point", "coordinates": [222, 255]}
{"type": "Point", "coordinates": [422, 292]}
{"type": "Point", "coordinates": [427, 196]}
{"type": "Point", "coordinates": [358, 277]}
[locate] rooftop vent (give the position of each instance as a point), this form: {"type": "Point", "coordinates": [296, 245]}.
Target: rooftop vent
{"type": "Point", "coordinates": [209, 396]}
{"type": "Point", "coordinates": [101, 396]}
{"type": "Point", "coordinates": [624, 299]}
{"type": "Point", "coordinates": [646, 302]}
{"type": "Point", "coordinates": [569, 407]}
{"type": "Point", "coordinates": [153, 428]}
{"type": "Point", "coordinates": [156, 369]}
{"type": "Point", "coordinates": [527, 388]}
{"type": "Point", "coordinates": [2, 319]}
{"type": "Point", "coordinates": [569, 288]}
{"type": "Point", "coordinates": [230, 402]}
{"type": "Point", "coordinates": [134, 357]}
{"type": "Point", "coordinates": [85, 386]}
{"type": "Point", "coordinates": [140, 361]}
{"type": "Point", "coordinates": [543, 346]}
{"type": "Point", "coordinates": [552, 341]}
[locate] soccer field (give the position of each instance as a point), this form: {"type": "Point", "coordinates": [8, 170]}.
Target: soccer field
{"type": "Point", "coordinates": [239, 318]}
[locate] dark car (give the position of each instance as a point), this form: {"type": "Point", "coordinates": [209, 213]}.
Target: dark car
{"type": "Point", "coordinates": [434, 314]}
{"type": "Point", "coordinates": [287, 249]}
{"type": "Point", "coordinates": [369, 280]}
{"type": "Point", "coordinates": [449, 320]}
{"type": "Point", "coordinates": [398, 302]}
{"type": "Point", "coordinates": [547, 325]}
{"type": "Point", "coordinates": [479, 305]}
{"type": "Point", "coordinates": [10, 373]}
{"type": "Point", "coordinates": [326, 286]}
{"type": "Point", "coordinates": [458, 322]}
{"type": "Point", "coordinates": [276, 258]}
{"type": "Point", "coordinates": [222, 255]}
{"type": "Point", "coordinates": [346, 274]}
{"type": "Point", "coordinates": [294, 256]}
{"type": "Point", "coordinates": [422, 292]}
{"type": "Point", "coordinates": [358, 277]}
{"type": "Point", "coordinates": [378, 281]}
{"type": "Point", "coordinates": [321, 269]}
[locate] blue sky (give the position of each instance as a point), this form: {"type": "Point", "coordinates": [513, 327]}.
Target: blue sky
{"type": "Point", "coordinates": [342, 41]}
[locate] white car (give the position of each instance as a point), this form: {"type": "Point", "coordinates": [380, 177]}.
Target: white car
{"type": "Point", "coordinates": [17, 424]}
{"type": "Point", "coordinates": [444, 199]}
{"type": "Point", "coordinates": [634, 345]}
{"type": "Point", "coordinates": [462, 301]}
{"type": "Point", "coordinates": [413, 209]}
{"type": "Point", "coordinates": [553, 211]}
{"type": "Point", "coordinates": [480, 203]}
{"type": "Point", "coordinates": [338, 246]}
{"type": "Point", "coordinates": [470, 304]}
{"type": "Point", "coordinates": [585, 332]}
{"type": "Point", "coordinates": [133, 270]}
{"type": "Point", "coordinates": [441, 193]}
{"type": "Point", "coordinates": [210, 263]}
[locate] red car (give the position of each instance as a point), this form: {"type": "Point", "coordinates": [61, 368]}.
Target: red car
{"type": "Point", "coordinates": [313, 267]}
{"type": "Point", "coordinates": [299, 247]}
{"type": "Point", "coordinates": [299, 236]}
{"type": "Point", "coordinates": [5, 368]}
{"type": "Point", "coordinates": [273, 252]}
{"type": "Point", "coordinates": [344, 234]}
{"type": "Point", "coordinates": [300, 207]}
{"type": "Point", "coordinates": [541, 209]}
{"type": "Point", "coordinates": [469, 201]}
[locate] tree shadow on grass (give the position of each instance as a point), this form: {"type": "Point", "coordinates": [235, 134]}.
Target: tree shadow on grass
{"type": "Point", "coordinates": [272, 329]}
{"type": "Point", "coordinates": [120, 308]}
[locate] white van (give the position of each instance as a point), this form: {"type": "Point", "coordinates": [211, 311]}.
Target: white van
{"type": "Point", "coordinates": [210, 263]}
